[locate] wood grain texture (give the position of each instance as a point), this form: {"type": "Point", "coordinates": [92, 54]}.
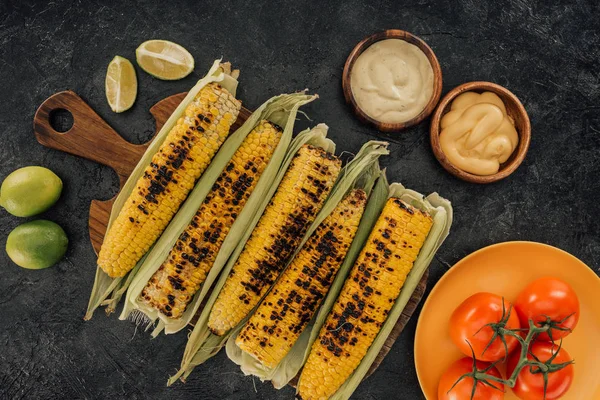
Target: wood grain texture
{"type": "Point", "coordinates": [102, 144]}
{"type": "Point", "coordinates": [514, 109]}
{"type": "Point", "coordinates": [362, 46]}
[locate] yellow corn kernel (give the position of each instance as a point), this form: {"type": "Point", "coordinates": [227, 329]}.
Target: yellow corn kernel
{"type": "Point", "coordinates": [299, 197]}
{"type": "Point", "coordinates": [174, 284]}
{"type": "Point", "coordinates": [182, 158]}
{"type": "Point", "coordinates": [286, 310]}
{"type": "Point", "coordinates": [366, 298]}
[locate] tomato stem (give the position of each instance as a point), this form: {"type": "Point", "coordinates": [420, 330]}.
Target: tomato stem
{"type": "Point", "coordinates": [497, 328]}
{"type": "Point", "coordinates": [536, 366]}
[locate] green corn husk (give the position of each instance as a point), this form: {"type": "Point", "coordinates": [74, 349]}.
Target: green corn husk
{"type": "Point", "coordinates": [202, 344]}
{"type": "Point", "coordinates": [361, 173]}
{"type": "Point", "coordinates": [441, 211]}
{"type": "Point", "coordinates": [281, 110]}
{"type": "Point", "coordinates": [107, 291]}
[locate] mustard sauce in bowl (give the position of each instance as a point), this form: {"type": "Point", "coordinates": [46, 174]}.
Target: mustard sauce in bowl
{"type": "Point", "coordinates": [473, 129]}
{"type": "Point", "coordinates": [477, 134]}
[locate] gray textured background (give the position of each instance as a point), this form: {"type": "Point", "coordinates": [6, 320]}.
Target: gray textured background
{"type": "Point", "coordinates": [548, 55]}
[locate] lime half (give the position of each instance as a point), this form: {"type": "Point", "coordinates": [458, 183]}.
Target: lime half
{"type": "Point", "coordinates": [164, 60]}
{"type": "Point", "coordinates": [120, 84]}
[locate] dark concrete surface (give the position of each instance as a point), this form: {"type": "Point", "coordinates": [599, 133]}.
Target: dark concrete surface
{"type": "Point", "coordinates": [547, 53]}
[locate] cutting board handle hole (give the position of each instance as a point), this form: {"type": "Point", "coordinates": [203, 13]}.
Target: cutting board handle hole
{"type": "Point", "coordinates": [61, 120]}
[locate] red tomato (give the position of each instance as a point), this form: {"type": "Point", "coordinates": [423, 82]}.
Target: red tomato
{"type": "Point", "coordinates": [463, 389]}
{"type": "Point", "coordinates": [530, 386]}
{"type": "Point", "coordinates": [468, 321]}
{"type": "Point", "coordinates": [549, 297]}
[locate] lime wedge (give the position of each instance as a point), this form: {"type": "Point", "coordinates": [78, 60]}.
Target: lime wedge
{"type": "Point", "coordinates": [164, 60]}
{"type": "Point", "coordinates": [120, 84]}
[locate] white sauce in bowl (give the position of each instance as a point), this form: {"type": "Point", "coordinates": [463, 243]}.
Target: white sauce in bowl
{"type": "Point", "coordinates": [392, 81]}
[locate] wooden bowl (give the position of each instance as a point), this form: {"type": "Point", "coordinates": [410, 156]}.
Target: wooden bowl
{"type": "Point", "coordinates": [362, 46]}
{"type": "Point", "coordinates": [514, 108]}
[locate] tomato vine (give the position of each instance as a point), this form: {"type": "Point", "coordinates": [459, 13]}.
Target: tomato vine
{"type": "Point", "coordinates": [535, 364]}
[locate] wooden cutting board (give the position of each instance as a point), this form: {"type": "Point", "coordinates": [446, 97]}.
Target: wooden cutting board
{"type": "Point", "coordinates": [92, 138]}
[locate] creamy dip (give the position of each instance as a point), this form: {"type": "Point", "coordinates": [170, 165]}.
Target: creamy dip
{"type": "Point", "coordinates": [392, 81]}
{"type": "Point", "coordinates": [477, 133]}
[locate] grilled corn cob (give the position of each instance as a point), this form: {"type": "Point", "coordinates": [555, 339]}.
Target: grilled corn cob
{"type": "Point", "coordinates": [365, 300]}
{"type": "Point", "coordinates": [299, 197]}
{"type": "Point", "coordinates": [172, 286]}
{"type": "Point", "coordinates": [284, 313]}
{"type": "Point", "coordinates": [172, 173]}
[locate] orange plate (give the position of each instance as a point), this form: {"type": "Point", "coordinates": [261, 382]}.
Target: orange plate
{"type": "Point", "coordinates": [505, 269]}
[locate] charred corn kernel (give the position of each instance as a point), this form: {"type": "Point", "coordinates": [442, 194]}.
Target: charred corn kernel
{"type": "Point", "coordinates": [298, 199]}
{"type": "Point", "coordinates": [365, 300]}
{"type": "Point", "coordinates": [284, 313]}
{"type": "Point", "coordinates": [181, 159]}
{"type": "Point", "coordinates": [177, 280]}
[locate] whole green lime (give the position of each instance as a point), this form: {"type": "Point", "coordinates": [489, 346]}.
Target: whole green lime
{"type": "Point", "coordinates": [29, 191]}
{"type": "Point", "coordinates": [37, 244]}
